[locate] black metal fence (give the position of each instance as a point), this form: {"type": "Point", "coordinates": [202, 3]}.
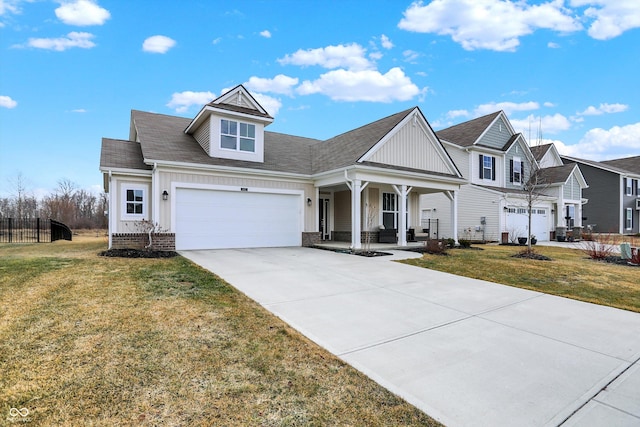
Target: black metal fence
{"type": "Point", "coordinates": [32, 230]}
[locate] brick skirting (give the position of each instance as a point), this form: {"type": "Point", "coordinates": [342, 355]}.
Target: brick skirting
{"type": "Point", "coordinates": [161, 241]}
{"type": "Point", "coordinates": [310, 238]}
{"type": "Point", "coordinates": [345, 236]}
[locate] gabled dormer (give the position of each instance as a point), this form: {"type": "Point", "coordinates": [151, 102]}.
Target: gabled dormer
{"type": "Point", "coordinates": [547, 155]}
{"type": "Point", "coordinates": [232, 126]}
{"type": "Point", "coordinates": [519, 162]}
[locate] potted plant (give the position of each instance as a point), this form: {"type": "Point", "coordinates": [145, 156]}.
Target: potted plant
{"type": "Point", "coordinates": [522, 240]}
{"type": "Point", "coordinates": [533, 239]}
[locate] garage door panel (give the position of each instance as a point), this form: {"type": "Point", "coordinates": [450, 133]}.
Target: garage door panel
{"type": "Point", "coordinates": [212, 219]}
{"type": "Point", "coordinates": [519, 222]}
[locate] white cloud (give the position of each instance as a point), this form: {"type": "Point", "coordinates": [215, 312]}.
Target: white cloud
{"type": "Point", "coordinates": [610, 17]}
{"type": "Point", "coordinates": [602, 144]}
{"type": "Point", "coordinates": [350, 56]}
{"type": "Point", "coordinates": [82, 13]}
{"type": "Point", "coordinates": [158, 44]}
{"type": "Point", "coordinates": [363, 85]}
{"type": "Point", "coordinates": [7, 102]}
{"type": "Point", "coordinates": [216, 40]}
{"type": "Point", "coordinates": [549, 124]}
{"type": "Point", "coordinates": [269, 103]}
{"type": "Point", "coordinates": [487, 24]}
{"type": "Point", "coordinates": [73, 39]}
{"type": "Point", "coordinates": [266, 34]}
{"type": "Point", "coordinates": [552, 45]}
{"type": "Point", "coordinates": [9, 6]}
{"type": "Point", "coordinates": [410, 55]}
{"type": "Point", "coordinates": [507, 107]}
{"type": "Point", "coordinates": [604, 109]}
{"type": "Point", "coordinates": [79, 110]}
{"type": "Point", "coordinates": [386, 42]}
{"type": "Point", "coordinates": [279, 84]}
{"type": "Point", "coordinates": [457, 113]}
{"type": "Point", "coordinates": [181, 101]}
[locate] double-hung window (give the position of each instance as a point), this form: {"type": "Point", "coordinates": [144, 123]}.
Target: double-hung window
{"type": "Point", "coordinates": [389, 211]}
{"type": "Point", "coordinates": [629, 219]}
{"type": "Point", "coordinates": [487, 167]}
{"type": "Point", "coordinates": [516, 170]}
{"type": "Point", "coordinates": [134, 202]}
{"type": "Point", "coordinates": [628, 186]}
{"type": "Point", "coordinates": [237, 136]}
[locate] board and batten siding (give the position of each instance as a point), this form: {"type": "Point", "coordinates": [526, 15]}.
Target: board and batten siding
{"type": "Point", "coordinates": [166, 179]}
{"type": "Point", "coordinates": [203, 135]}
{"type": "Point", "coordinates": [497, 135]}
{"type": "Point", "coordinates": [571, 188]}
{"type": "Point", "coordinates": [412, 146]}
{"type": "Point", "coordinates": [342, 210]}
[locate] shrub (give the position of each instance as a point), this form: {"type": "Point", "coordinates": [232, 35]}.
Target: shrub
{"type": "Point", "coordinates": [464, 243]}
{"type": "Point", "coordinates": [435, 247]}
{"type": "Point", "coordinates": [451, 243]}
{"type": "Point", "coordinates": [600, 247]}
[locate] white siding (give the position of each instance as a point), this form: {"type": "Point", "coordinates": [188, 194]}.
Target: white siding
{"type": "Point", "coordinates": [413, 146]}
{"type": "Point", "coordinates": [166, 180]}
{"type": "Point", "coordinates": [461, 160]}
{"type": "Point", "coordinates": [203, 136]}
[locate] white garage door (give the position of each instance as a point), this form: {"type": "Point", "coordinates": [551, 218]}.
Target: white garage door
{"type": "Point", "coordinates": [518, 223]}
{"type": "Point", "coordinates": [215, 219]}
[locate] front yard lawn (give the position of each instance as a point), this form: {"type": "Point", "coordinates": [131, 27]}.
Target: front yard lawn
{"type": "Point", "coordinates": [570, 273]}
{"type": "Point", "coordinates": [89, 340]}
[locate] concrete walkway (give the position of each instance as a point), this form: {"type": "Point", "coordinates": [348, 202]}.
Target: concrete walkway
{"type": "Point", "coordinates": [465, 351]}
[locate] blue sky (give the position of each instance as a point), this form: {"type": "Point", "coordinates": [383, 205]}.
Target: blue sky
{"type": "Point", "coordinates": [72, 70]}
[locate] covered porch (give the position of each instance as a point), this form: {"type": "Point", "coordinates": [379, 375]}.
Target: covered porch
{"type": "Point", "coordinates": [365, 206]}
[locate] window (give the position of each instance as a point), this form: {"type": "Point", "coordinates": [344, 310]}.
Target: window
{"type": "Point", "coordinates": [389, 211]}
{"type": "Point", "coordinates": [487, 167]}
{"type": "Point", "coordinates": [629, 219]}
{"type": "Point", "coordinates": [516, 170]}
{"type": "Point", "coordinates": [134, 202]}
{"type": "Point", "coordinates": [628, 183]}
{"type": "Point", "coordinates": [571, 216]}
{"type": "Point", "coordinates": [237, 136]}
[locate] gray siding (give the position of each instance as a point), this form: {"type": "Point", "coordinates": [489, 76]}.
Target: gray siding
{"type": "Point", "coordinates": [571, 190]}
{"type": "Point", "coordinates": [629, 202]}
{"type": "Point", "coordinates": [497, 136]}
{"type": "Point", "coordinates": [603, 193]}
{"type": "Point", "coordinates": [516, 150]}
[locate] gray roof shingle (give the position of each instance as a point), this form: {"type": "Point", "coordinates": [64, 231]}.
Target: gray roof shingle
{"type": "Point", "coordinates": [631, 164]}
{"type": "Point", "coordinates": [540, 150]}
{"type": "Point", "coordinates": [163, 138]}
{"type": "Point", "coordinates": [121, 154]}
{"type": "Point", "coordinates": [467, 133]}
{"type": "Point", "coordinates": [556, 174]}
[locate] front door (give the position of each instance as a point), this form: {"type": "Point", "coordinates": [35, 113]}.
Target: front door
{"type": "Point", "coordinates": [324, 226]}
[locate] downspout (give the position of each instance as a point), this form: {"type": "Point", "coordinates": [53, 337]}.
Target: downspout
{"type": "Point", "coordinates": [156, 203]}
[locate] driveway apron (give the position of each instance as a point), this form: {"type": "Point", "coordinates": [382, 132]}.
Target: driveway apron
{"type": "Point", "coordinates": [465, 351]}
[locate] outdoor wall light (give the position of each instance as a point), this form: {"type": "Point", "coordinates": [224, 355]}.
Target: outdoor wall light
{"type": "Point", "coordinates": [308, 201]}
{"type": "Point", "coordinates": [165, 195]}
{"type": "Point", "coordinates": [505, 208]}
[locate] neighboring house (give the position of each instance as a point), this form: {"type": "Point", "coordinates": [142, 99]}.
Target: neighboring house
{"type": "Point", "coordinates": [614, 197]}
{"type": "Point", "coordinates": [498, 163]}
{"type": "Point", "coordinates": [220, 180]}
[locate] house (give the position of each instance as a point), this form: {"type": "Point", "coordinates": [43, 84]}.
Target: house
{"type": "Point", "coordinates": [614, 197]}
{"type": "Point", "coordinates": [220, 180]}
{"type": "Point", "coordinates": [495, 204]}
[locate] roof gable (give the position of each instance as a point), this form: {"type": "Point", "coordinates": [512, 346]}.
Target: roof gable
{"type": "Point", "coordinates": [468, 133]}
{"type": "Point", "coordinates": [562, 174]}
{"type": "Point", "coordinates": [412, 144]}
{"type": "Point", "coordinates": [547, 155]}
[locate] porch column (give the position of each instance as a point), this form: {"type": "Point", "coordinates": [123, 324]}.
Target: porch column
{"type": "Point", "coordinates": [356, 214]}
{"type": "Point", "coordinates": [454, 215]}
{"type": "Point", "coordinates": [402, 192]}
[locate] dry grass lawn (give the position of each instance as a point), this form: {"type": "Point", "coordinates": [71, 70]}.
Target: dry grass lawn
{"type": "Point", "coordinates": [571, 274]}
{"type": "Point", "coordinates": [88, 340]}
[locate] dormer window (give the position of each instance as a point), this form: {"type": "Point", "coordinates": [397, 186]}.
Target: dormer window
{"type": "Point", "coordinates": [237, 136]}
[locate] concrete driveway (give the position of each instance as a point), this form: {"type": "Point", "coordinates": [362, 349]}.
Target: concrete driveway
{"type": "Point", "coordinates": [465, 351]}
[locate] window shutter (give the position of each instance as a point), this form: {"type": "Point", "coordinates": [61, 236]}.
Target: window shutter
{"type": "Point", "coordinates": [481, 165]}
{"type": "Point", "coordinates": [511, 170]}
{"type": "Point", "coordinates": [493, 168]}
{"type": "Point", "coordinates": [522, 175]}
{"type": "Point", "coordinates": [624, 188]}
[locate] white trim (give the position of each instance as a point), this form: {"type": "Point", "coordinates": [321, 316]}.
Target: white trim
{"type": "Point", "coordinates": [234, 188]}
{"type": "Point", "coordinates": [124, 187]}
